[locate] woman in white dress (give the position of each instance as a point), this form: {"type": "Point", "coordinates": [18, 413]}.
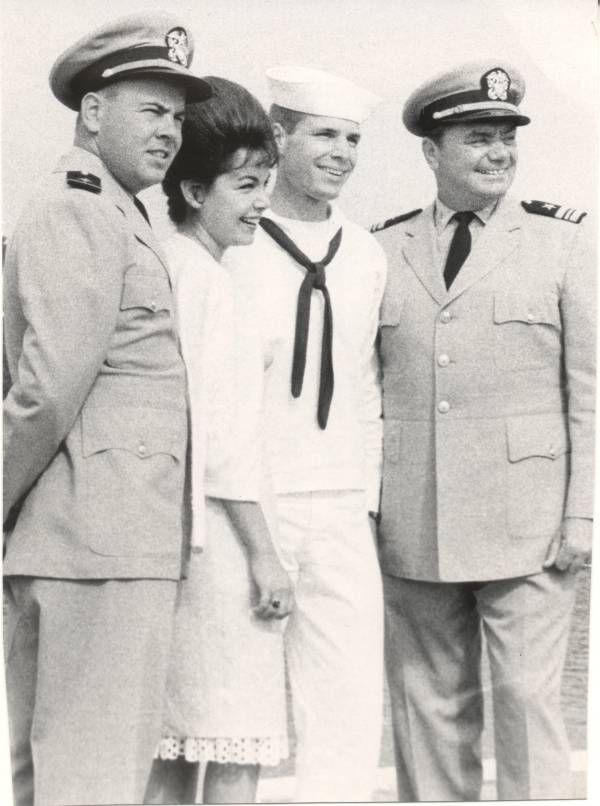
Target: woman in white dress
{"type": "Point", "coordinates": [225, 704]}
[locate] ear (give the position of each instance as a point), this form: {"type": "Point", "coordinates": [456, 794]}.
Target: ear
{"type": "Point", "coordinates": [280, 137]}
{"type": "Point", "coordinates": [430, 151]}
{"type": "Point", "coordinates": [90, 111]}
{"type": "Point", "coordinates": [193, 192]}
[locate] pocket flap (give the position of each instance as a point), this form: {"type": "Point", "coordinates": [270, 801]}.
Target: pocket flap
{"type": "Point", "coordinates": [144, 432]}
{"type": "Point", "coordinates": [141, 291]}
{"type": "Point", "coordinates": [537, 435]}
{"type": "Point", "coordinates": [531, 311]}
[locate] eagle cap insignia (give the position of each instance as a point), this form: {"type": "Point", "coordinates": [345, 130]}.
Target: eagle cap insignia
{"type": "Point", "coordinates": [496, 83]}
{"type": "Point", "coordinates": [178, 48]}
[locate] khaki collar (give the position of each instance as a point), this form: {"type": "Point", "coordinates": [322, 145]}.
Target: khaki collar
{"type": "Point", "coordinates": [442, 214]}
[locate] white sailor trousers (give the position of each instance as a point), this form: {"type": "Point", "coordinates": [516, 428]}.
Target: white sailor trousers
{"type": "Point", "coordinates": [334, 643]}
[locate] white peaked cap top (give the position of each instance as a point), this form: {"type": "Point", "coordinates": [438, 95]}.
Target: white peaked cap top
{"type": "Point", "coordinates": [315, 92]}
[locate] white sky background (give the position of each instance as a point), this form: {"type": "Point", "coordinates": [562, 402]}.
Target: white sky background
{"type": "Point", "coordinates": [387, 46]}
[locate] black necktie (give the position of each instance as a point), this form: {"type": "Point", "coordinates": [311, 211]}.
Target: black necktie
{"type": "Point", "coordinates": [314, 278]}
{"type": "Point", "coordinates": [142, 209]}
{"type": "Point", "coordinates": [459, 247]}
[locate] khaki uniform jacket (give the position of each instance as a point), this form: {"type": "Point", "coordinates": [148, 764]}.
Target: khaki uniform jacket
{"type": "Point", "coordinates": [488, 397]}
{"type": "Point", "coordinates": [95, 422]}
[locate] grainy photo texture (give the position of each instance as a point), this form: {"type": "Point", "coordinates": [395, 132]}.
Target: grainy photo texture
{"type": "Point", "coordinates": [299, 393]}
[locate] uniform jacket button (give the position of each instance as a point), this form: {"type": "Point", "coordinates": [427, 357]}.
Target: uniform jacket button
{"type": "Point", "coordinates": [445, 317]}
{"type": "Point", "coordinates": [443, 407]}
{"type": "Point", "coordinates": [142, 450]}
{"type": "Point", "coordinates": [443, 360]}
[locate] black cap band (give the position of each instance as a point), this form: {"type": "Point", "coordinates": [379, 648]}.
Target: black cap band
{"type": "Point", "coordinates": [430, 118]}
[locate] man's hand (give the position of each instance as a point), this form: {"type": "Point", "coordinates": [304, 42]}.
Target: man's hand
{"type": "Point", "coordinates": [275, 592]}
{"type": "Point", "coordinates": [571, 546]}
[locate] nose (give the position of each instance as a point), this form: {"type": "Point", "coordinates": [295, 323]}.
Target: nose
{"type": "Point", "coordinates": [498, 151]}
{"type": "Point", "coordinates": [262, 200]}
{"type": "Point", "coordinates": [341, 148]}
{"type": "Point", "coordinates": [169, 127]}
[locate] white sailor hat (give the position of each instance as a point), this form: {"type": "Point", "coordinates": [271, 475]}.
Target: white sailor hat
{"type": "Point", "coordinates": [315, 92]}
{"type": "Point", "coordinates": [489, 88]}
{"type": "Point", "coordinates": [145, 44]}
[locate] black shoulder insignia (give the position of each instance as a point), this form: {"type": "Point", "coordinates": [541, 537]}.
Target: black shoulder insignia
{"type": "Point", "coordinates": [76, 179]}
{"type": "Point", "coordinates": [554, 211]}
{"type": "Point", "coordinates": [396, 220]}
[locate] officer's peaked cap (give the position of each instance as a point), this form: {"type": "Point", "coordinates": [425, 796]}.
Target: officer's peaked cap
{"type": "Point", "coordinates": [483, 89]}
{"type": "Point", "coordinates": [139, 45]}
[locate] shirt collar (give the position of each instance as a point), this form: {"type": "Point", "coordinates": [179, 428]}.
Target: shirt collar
{"type": "Point", "coordinates": [442, 214]}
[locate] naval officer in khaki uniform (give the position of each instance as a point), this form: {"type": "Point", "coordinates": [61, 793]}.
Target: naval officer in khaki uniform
{"type": "Point", "coordinates": [487, 348]}
{"type": "Point", "coordinates": [95, 429]}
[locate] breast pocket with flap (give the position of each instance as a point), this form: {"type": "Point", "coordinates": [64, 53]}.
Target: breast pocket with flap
{"type": "Point", "coordinates": [526, 330]}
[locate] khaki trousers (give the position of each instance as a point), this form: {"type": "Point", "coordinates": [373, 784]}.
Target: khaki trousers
{"type": "Point", "coordinates": [86, 665]}
{"type": "Point", "coordinates": [433, 658]}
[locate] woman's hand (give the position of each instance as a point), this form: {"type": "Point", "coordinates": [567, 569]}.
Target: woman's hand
{"type": "Point", "coordinates": [273, 585]}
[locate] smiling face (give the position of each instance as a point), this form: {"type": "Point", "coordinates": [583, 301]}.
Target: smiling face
{"type": "Point", "coordinates": [474, 163]}
{"type": "Point", "coordinates": [316, 160]}
{"type": "Point", "coordinates": [138, 130]}
{"type": "Point", "coordinates": [231, 208]}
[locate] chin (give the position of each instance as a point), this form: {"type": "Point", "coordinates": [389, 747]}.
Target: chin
{"type": "Point", "coordinates": [328, 194]}
{"type": "Point", "coordinates": [148, 181]}
{"type": "Point", "coordinates": [243, 240]}
{"type": "Point", "coordinates": [495, 187]}
{"type": "Point", "coordinates": [490, 194]}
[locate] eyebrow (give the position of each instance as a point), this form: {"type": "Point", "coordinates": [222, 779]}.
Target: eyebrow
{"type": "Point", "coordinates": [162, 107]}
{"type": "Point", "coordinates": [335, 132]}
{"type": "Point", "coordinates": [490, 132]}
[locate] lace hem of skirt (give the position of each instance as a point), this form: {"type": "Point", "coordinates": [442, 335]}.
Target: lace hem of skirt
{"type": "Point", "coordinates": [267, 751]}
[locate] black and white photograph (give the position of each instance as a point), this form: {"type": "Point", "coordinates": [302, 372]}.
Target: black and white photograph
{"type": "Point", "coordinates": [299, 345]}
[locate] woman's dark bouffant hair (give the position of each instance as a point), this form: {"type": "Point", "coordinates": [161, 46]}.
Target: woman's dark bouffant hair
{"type": "Point", "coordinates": [213, 131]}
